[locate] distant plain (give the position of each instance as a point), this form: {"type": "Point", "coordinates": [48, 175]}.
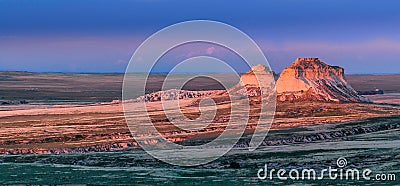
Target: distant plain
{"type": "Point", "coordinates": [67, 128]}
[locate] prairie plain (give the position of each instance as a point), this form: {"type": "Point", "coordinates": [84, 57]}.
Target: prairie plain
{"type": "Point", "coordinates": [68, 125]}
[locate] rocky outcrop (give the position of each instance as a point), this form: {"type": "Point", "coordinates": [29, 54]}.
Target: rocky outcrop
{"type": "Point", "coordinates": [255, 82]}
{"type": "Point", "coordinates": [309, 79]}
{"type": "Point", "coordinates": [323, 136]}
{"type": "Point", "coordinates": [257, 77]}
{"type": "Point", "coordinates": [174, 94]}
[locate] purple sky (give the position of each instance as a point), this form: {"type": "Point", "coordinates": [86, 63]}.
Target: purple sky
{"type": "Point", "coordinates": [100, 36]}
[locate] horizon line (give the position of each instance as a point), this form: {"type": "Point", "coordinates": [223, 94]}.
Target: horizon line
{"type": "Point", "coordinates": [60, 72]}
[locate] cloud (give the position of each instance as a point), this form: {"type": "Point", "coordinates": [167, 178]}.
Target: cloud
{"type": "Point", "coordinates": [210, 50]}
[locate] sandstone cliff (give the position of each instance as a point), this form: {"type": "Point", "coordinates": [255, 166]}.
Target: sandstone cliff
{"type": "Point", "coordinates": [309, 79]}
{"type": "Point", "coordinates": [259, 80]}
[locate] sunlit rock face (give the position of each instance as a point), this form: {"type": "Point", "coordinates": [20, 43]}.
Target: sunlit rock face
{"type": "Point", "coordinates": [175, 94]}
{"type": "Point", "coordinates": [258, 74]}
{"type": "Point", "coordinates": [310, 79]}
{"type": "Point", "coordinates": [257, 81]}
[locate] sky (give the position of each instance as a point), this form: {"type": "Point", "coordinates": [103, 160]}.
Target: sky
{"type": "Point", "coordinates": [363, 36]}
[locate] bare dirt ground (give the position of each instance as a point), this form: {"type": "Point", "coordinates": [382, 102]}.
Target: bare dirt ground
{"type": "Point", "coordinates": [103, 127]}
{"type": "Point", "coordinates": [391, 98]}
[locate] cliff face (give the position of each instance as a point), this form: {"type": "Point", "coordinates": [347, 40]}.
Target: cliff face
{"type": "Point", "coordinates": [258, 73]}
{"type": "Point", "coordinates": [256, 82]}
{"type": "Point", "coordinates": [313, 80]}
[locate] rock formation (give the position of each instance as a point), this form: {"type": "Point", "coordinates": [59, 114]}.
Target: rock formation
{"type": "Point", "coordinates": [249, 79]}
{"type": "Point", "coordinates": [248, 86]}
{"type": "Point", "coordinates": [174, 94]}
{"type": "Point", "coordinates": [259, 80]}
{"type": "Point", "coordinates": [309, 79]}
